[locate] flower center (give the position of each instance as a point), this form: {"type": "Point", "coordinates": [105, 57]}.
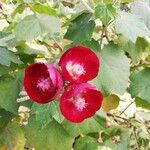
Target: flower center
{"type": "Point", "coordinates": [80, 103]}
{"type": "Point", "coordinates": [75, 69]}
{"type": "Point", "coordinates": [43, 84]}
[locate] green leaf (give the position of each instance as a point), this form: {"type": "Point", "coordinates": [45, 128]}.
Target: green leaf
{"type": "Point", "coordinates": [100, 117]}
{"type": "Point", "coordinates": [86, 143]}
{"type": "Point", "coordinates": [35, 25]}
{"type": "Point", "coordinates": [136, 50]}
{"type": "Point", "coordinates": [140, 84]}
{"type": "Point", "coordinates": [110, 137]}
{"type": "Point", "coordinates": [52, 137]}
{"type": "Point", "coordinates": [20, 8]}
{"type": "Point", "coordinates": [44, 113]}
{"type": "Point", "coordinates": [93, 44]}
{"type": "Point", "coordinates": [110, 145]}
{"type": "Point", "coordinates": [3, 34]}
{"type": "Point", "coordinates": [12, 137]}
{"type": "Point", "coordinates": [131, 26]}
{"type": "Point", "coordinates": [6, 57]}
{"type": "Point", "coordinates": [114, 71]}
{"type": "Point", "coordinates": [88, 126]}
{"type": "Point", "coordinates": [5, 117]}
{"type": "Point", "coordinates": [80, 29]}
{"type": "Point", "coordinates": [105, 13]}
{"type": "Point", "coordinates": [3, 70]}
{"type": "Point", "coordinates": [110, 102]}
{"type": "Point", "coordinates": [55, 112]}
{"type": "Point", "coordinates": [45, 9]}
{"type": "Point", "coordinates": [27, 59]}
{"type": "Point", "coordinates": [107, 1]}
{"type": "Point", "coordinates": [142, 103]}
{"type": "Point", "coordinates": [128, 1]}
{"type": "Point", "coordinates": [9, 93]}
{"type": "Point", "coordinates": [5, 40]}
{"type": "Point", "coordinates": [24, 48]}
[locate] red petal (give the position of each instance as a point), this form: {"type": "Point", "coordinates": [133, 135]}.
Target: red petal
{"type": "Point", "coordinates": [93, 100]}
{"type": "Point", "coordinates": [40, 71]}
{"type": "Point", "coordinates": [80, 55]}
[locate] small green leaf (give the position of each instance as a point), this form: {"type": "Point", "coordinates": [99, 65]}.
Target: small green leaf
{"type": "Point", "coordinates": [20, 8]}
{"type": "Point", "coordinates": [80, 29]}
{"type": "Point", "coordinates": [6, 57]}
{"type": "Point", "coordinates": [93, 44]}
{"type": "Point", "coordinates": [142, 103]}
{"type": "Point", "coordinates": [136, 50]}
{"type": "Point", "coordinates": [45, 9]}
{"type": "Point", "coordinates": [44, 113]}
{"type": "Point", "coordinates": [9, 92]}
{"type": "Point", "coordinates": [35, 25]}
{"type": "Point", "coordinates": [55, 112]}
{"type": "Point", "coordinates": [128, 1]}
{"type": "Point", "coordinates": [140, 84]}
{"type": "Point", "coordinates": [131, 26]}
{"type": "Point", "coordinates": [105, 13]}
{"type": "Point", "coordinates": [100, 117]}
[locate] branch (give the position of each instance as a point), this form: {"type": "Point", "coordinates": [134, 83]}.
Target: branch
{"type": "Point", "coordinates": [119, 117]}
{"type": "Point", "coordinates": [5, 17]}
{"type": "Point", "coordinates": [144, 64]}
{"type": "Point", "coordinates": [126, 108]}
{"type": "Point", "coordinates": [30, 6]}
{"type": "Point", "coordinates": [101, 38]}
{"type": "Point", "coordinates": [106, 34]}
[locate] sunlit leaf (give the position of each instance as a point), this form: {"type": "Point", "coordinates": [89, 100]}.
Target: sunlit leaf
{"type": "Point", "coordinates": [131, 26]}
{"type": "Point", "coordinates": [35, 25]}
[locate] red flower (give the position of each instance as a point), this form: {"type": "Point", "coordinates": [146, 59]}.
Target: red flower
{"type": "Point", "coordinates": [42, 82]}
{"type": "Point", "coordinates": [80, 101]}
{"type": "Point", "coordinates": [79, 64]}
